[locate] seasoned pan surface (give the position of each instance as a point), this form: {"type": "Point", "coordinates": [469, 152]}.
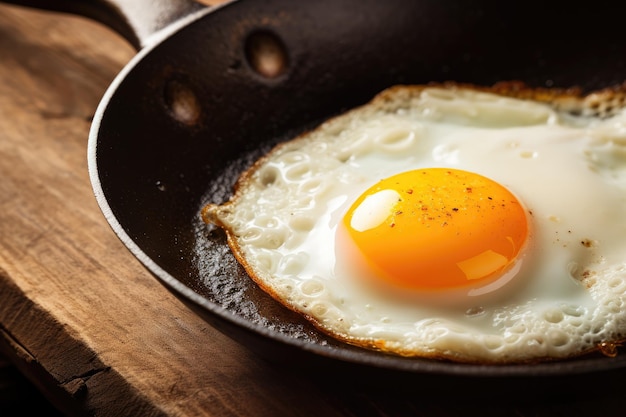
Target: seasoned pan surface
{"type": "Point", "coordinates": [188, 115]}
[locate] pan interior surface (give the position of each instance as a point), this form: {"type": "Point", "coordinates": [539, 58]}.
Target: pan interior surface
{"type": "Point", "coordinates": [204, 104]}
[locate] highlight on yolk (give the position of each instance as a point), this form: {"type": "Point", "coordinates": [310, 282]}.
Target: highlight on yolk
{"type": "Point", "coordinates": [437, 229]}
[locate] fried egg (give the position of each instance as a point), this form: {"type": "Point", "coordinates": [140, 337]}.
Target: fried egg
{"type": "Point", "coordinates": [448, 222]}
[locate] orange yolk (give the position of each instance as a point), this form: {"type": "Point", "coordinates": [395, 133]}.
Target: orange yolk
{"type": "Point", "coordinates": [437, 229]}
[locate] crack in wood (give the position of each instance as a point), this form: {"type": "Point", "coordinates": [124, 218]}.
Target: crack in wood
{"type": "Point", "coordinates": [76, 386]}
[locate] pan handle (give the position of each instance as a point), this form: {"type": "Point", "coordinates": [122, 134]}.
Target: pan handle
{"type": "Point", "coordinates": [135, 20]}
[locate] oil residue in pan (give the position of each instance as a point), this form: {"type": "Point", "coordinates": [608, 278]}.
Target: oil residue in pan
{"type": "Point", "coordinates": [223, 281]}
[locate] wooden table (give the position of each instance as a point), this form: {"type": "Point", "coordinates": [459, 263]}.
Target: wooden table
{"type": "Point", "coordinates": [82, 319]}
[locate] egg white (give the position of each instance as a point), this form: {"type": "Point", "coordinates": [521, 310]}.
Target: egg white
{"type": "Point", "coordinates": [569, 172]}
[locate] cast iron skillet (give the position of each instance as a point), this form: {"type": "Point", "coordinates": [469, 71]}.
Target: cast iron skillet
{"type": "Point", "coordinates": [217, 88]}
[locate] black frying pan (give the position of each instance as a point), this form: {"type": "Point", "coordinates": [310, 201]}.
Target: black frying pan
{"type": "Point", "coordinates": [215, 90]}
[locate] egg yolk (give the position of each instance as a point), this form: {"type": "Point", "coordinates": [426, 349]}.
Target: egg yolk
{"type": "Point", "coordinates": [437, 229]}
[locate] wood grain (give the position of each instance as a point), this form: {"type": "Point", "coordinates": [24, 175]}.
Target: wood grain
{"type": "Point", "coordinates": [82, 319]}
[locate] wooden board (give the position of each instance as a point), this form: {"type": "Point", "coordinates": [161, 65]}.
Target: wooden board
{"type": "Point", "coordinates": [80, 317]}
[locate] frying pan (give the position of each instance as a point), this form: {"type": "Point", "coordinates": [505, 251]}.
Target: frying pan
{"type": "Point", "coordinates": [212, 89]}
